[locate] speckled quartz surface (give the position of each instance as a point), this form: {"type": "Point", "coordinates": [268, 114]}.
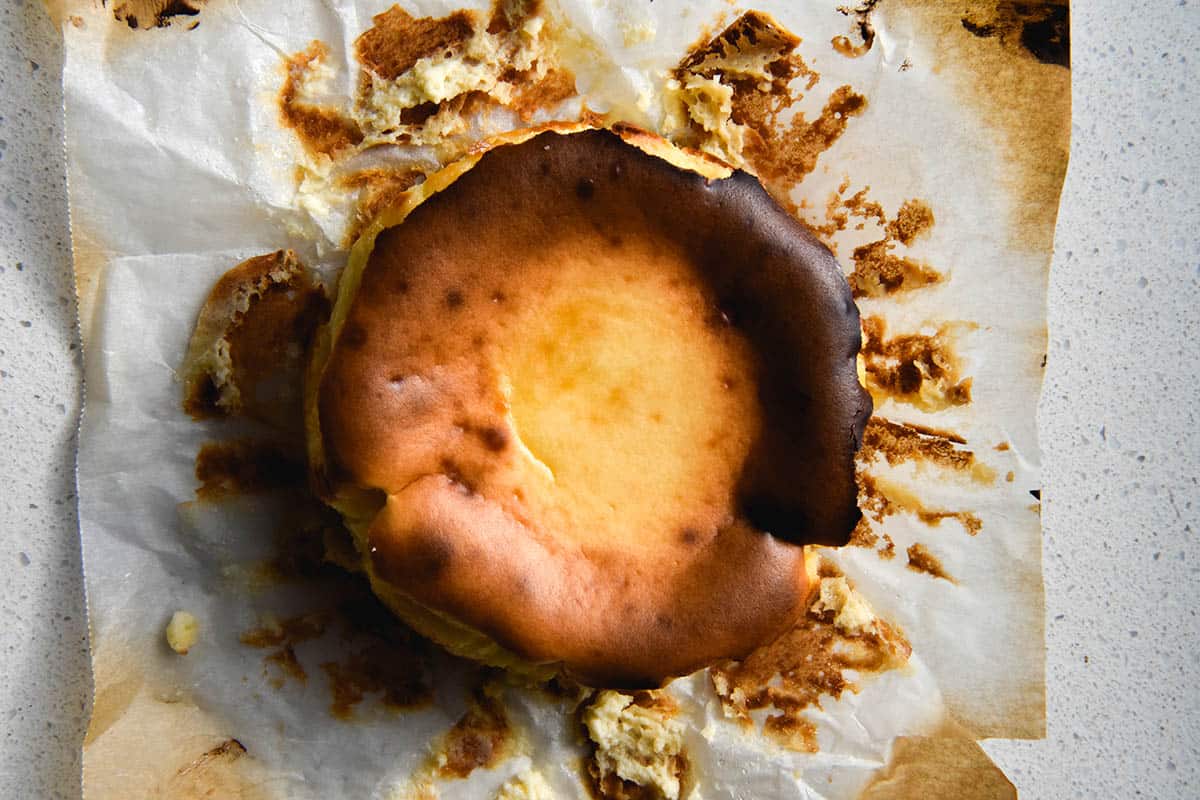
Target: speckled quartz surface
{"type": "Point", "coordinates": [1120, 423]}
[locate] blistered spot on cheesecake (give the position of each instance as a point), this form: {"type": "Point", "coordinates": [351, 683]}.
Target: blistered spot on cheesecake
{"type": "Point", "coordinates": [918, 369]}
{"type": "Point", "coordinates": [839, 633]}
{"type": "Point", "coordinates": [920, 559]}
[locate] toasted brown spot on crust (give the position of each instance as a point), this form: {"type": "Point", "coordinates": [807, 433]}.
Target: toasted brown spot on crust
{"type": "Point", "coordinates": [794, 672]}
{"type": "Point", "coordinates": [481, 738]}
{"type": "Point", "coordinates": [321, 130]}
{"type": "Point", "coordinates": [920, 559]}
{"type": "Point", "coordinates": [918, 369]}
{"type": "Point", "coordinates": [399, 40]}
{"type": "Point", "coordinates": [247, 466]}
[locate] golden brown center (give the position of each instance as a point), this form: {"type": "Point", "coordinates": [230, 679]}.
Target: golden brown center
{"type": "Point", "coordinates": [624, 384]}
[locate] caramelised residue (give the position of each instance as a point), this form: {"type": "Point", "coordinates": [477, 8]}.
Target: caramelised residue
{"type": "Point", "coordinates": [878, 269]}
{"type": "Point", "coordinates": [380, 657]}
{"type": "Point", "coordinates": [863, 29]}
{"type": "Point", "coordinates": [281, 636]}
{"type": "Point", "coordinates": [421, 81]}
{"type": "Point", "coordinates": [145, 14]}
{"type": "Point", "coordinates": [480, 739]}
{"type": "Point", "coordinates": [321, 129]}
{"type": "Point", "coordinates": [755, 60]}
{"type": "Point", "coordinates": [806, 664]}
{"type": "Point", "coordinates": [379, 189]}
{"type": "Point", "coordinates": [920, 559]}
{"type": "Point", "coordinates": [248, 466]}
{"type": "Point", "coordinates": [636, 747]}
{"type": "Point", "coordinates": [247, 352]}
{"type": "Point", "coordinates": [919, 369]}
{"type": "Point", "coordinates": [880, 498]}
{"type": "Point", "coordinates": [1040, 28]}
{"type": "Point", "coordinates": [897, 442]}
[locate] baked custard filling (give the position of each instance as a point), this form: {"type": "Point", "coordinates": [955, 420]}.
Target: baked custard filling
{"type": "Point", "coordinates": [583, 407]}
{"type": "Point", "coordinates": [623, 382]}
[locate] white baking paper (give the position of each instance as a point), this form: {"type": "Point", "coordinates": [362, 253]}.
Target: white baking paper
{"type": "Point", "coordinates": [179, 168]}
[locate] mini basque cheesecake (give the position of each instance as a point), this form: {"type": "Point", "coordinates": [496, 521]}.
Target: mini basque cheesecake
{"type": "Point", "coordinates": [583, 399]}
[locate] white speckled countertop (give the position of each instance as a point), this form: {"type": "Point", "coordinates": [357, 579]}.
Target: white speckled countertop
{"type": "Point", "coordinates": [1120, 422]}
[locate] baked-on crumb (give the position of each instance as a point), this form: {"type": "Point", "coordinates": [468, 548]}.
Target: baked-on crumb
{"type": "Point", "coordinates": [182, 632]}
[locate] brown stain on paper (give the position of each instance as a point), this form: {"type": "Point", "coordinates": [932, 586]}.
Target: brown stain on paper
{"type": "Point", "coordinates": [920, 559]}
{"type": "Point", "coordinates": [918, 369]}
{"type": "Point", "coordinates": [480, 739]}
{"type": "Point", "coordinates": [145, 14]}
{"type": "Point", "coordinates": [281, 638]}
{"type": "Point", "coordinates": [864, 30]}
{"type": "Point", "coordinates": [795, 671]}
{"type": "Point", "coordinates": [247, 466]}
{"type": "Point", "coordinates": [782, 153]}
{"type": "Point", "coordinates": [1039, 28]}
{"type": "Point", "coordinates": [1012, 73]}
{"type": "Point", "coordinates": [321, 130]}
{"type": "Point", "coordinates": [880, 498]}
{"type": "Point", "coordinates": [952, 766]}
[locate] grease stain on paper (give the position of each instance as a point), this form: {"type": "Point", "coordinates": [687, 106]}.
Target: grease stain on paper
{"type": "Point", "coordinates": [805, 664]}
{"type": "Point", "coordinates": [146, 14]}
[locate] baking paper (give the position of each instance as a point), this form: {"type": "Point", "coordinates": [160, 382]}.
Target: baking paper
{"type": "Point", "coordinates": [180, 167]}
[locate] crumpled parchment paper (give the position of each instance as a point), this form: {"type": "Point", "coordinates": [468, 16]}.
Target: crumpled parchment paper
{"type": "Point", "coordinates": [179, 168]}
